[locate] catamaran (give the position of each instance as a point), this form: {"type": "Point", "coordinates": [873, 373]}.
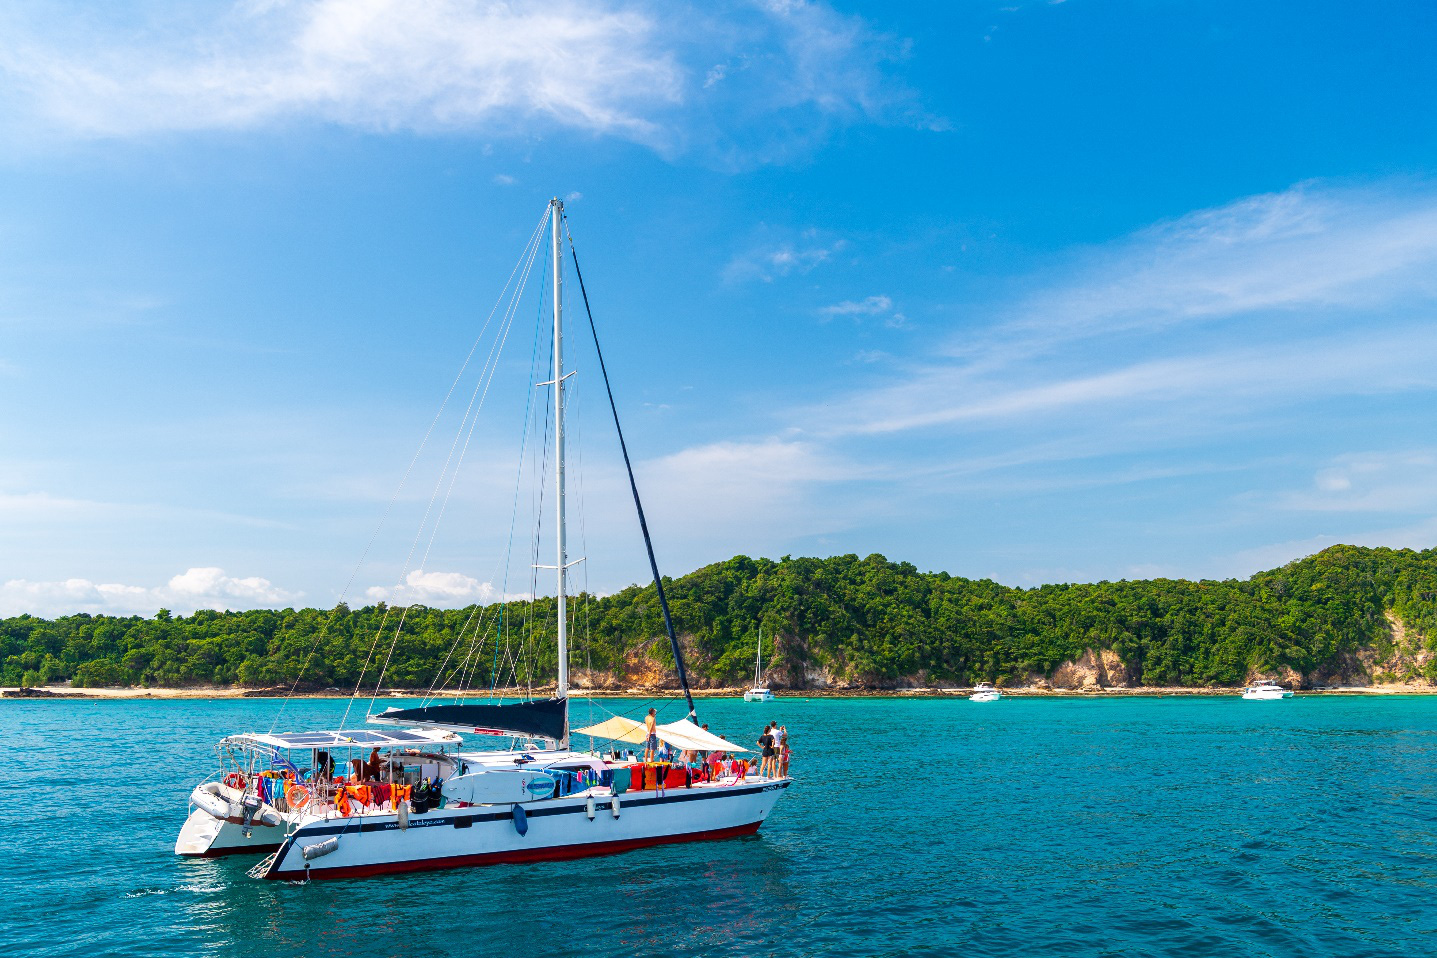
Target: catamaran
{"type": "Point", "coordinates": [760, 691]}
{"type": "Point", "coordinates": [408, 792]}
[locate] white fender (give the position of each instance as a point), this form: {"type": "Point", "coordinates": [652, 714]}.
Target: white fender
{"type": "Point", "coordinates": [268, 816]}
{"type": "Point", "coordinates": [320, 849]}
{"type": "Point", "coordinates": [207, 799]}
{"type": "Point", "coordinates": [589, 807]}
{"type": "Point", "coordinates": [614, 805]}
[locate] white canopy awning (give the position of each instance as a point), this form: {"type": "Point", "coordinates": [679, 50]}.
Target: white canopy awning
{"type": "Point", "coordinates": [685, 734]}
{"type": "Point", "coordinates": [680, 734]}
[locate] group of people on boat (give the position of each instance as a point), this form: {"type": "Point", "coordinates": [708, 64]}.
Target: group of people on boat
{"type": "Point", "coordinates": [775, 752]}
{"type": "Point", "coordinates": [773, 743]}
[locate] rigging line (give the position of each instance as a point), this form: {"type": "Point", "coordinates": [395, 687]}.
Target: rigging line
{"type": "Point", "coordinates": [486, 380]}
{"type": "Point", "coordinates": [344, 593]}
{"type": "Point", "coordinates": [491, 369]}
{"type": "Point", "coordinates": [576, 400]}
{"type": "Point", "coordinates": [518, 484]}
{"type": "Point", "coordinates": [531, 251]}
{"type": "Point", "coordinates": [467, 672]}
{"type": "Point", "coordinates": [383, 624]}
{"type": "Point", "coordinates": [583, 539]}
{"type": "Point", "coordinates": [634, 488]}
{"type": "Point", "coordinates": [541, 493]}
{"type": "Point", "coordinates": [440, 679]}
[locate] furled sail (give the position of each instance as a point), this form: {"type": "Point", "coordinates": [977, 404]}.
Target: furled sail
{"type": "Point", "coordinates": [545, 719]}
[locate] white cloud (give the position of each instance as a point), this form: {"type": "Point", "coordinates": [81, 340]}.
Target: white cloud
{"type": "Point", "coordinates": [504, 179]}
{"type": "Point", "coordinates": [1391, 481]}
{"type": "Point", "coordinates": [376, 64]}
{"type": "Point", "coordinates": [872, 306]}
{"type": "Point", "coordinates": [624, 68]}
{"type": "Point", "coordinates": [196, 588]}
{"type": "Point", "coordinates": [438, 589]}
{"type": "Point", "coordinates": [768, 261]}
{"type": "Point", "coordinates": [723, 493]}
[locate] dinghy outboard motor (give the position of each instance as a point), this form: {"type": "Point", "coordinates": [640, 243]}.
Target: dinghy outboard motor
{"type": "Point", "coordinates": [249, 806]}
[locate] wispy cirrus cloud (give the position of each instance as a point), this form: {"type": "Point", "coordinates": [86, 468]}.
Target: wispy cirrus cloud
{"type": "Point", "coordinates": [954, 395]}
{"type": "Point", "coordinates": [1303, 293]}
{"type": "Point", "coordinates": [625, 68]}
{"type": "Point", "coordinates": [771, 258]}
{"type": "Point", "coordinates": [1306, 247]}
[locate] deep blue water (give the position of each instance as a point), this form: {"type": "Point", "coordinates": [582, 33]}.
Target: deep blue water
{"type": "Point", "coordinates": [1162, 826]}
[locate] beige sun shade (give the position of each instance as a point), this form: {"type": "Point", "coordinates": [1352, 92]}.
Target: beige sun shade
{"type": "Point", "coordinates": [616, 729]}
{"type": "Point", "coordinates": [680, 734]}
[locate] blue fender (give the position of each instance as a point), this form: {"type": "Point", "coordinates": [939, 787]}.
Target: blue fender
{"type": "Point", "coordinates": [521, 821]}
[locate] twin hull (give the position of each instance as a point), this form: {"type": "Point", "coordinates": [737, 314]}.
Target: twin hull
{"type": "Point", "coordinates": [556, 829]}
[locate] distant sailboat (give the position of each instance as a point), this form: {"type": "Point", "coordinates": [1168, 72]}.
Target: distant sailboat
{"type": "Point", "coordinates": [759, 692]}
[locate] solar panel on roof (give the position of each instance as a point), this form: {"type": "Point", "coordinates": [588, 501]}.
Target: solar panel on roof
{"type": "Point", "coordinates": [354, 737]}
{"type": "Point", "coordinates": [402, 736]}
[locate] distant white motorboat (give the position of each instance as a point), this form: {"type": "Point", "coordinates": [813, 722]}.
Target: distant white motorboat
{"type": "Point", "coordinates": [984, 692]}
{"type": "Point", "coordinates": [1266, 690]}
{"type": "Point", "coordinates": [759, 692]}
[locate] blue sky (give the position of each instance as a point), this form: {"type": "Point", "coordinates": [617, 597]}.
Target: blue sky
{"type": "Point", "coordinates": [1035, 291]}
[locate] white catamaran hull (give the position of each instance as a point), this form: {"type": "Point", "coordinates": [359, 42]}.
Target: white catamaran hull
{"type": "Point", "coordinates": [207, 836]}
{"type": "Point", "coordinates": [557, 829]}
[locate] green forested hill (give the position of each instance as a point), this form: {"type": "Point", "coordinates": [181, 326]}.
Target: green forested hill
{"type": "Point", "coordinates": [1346, 614]}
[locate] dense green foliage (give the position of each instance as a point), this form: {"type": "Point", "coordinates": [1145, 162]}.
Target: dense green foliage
{"type": "Point", "coordinates": [840, 620]}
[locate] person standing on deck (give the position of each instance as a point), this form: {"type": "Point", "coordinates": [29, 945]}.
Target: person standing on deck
{"type": "Point", "coordinates": [765, 742]}
{"type": "Point", "coordinates": [651, 738]}
{"type": "Point", "coordinates": [702, 755]}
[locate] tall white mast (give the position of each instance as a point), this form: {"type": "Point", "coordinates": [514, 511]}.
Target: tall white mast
{"type": "Point", "coordinates": [556, 208]}
{"type": "Point", "coordinates": [758, 662]}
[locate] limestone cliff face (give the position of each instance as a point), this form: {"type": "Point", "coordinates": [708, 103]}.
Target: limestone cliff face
{"type": "Point", "coordinates": [1400, 659]}
{"type": "Point", "coordinates": [1100, 668]}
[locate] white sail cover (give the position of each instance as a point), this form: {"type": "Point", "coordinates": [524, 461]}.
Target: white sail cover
{"type": "Point", "coordinates": [680, 734]}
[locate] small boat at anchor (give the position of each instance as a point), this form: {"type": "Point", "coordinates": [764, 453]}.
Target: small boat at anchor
{"type": "Point", "coordinates": [1265, 690]}
{"type": "Point", "coordinates": [412, 790]}
{"type": "Point", "coordinates": [760, 691]}
{"type": "Point", "coordinates": [985, 692]}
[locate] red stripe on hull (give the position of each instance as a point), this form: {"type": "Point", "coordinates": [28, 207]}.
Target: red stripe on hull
{"type": "Point", "coordinates": [235, 850]}
{"type": "Point", "coordinates": [556, 853]}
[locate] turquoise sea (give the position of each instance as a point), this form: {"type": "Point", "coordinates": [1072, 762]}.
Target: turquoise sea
{"type": "Point", "coordinates": [1151, 826]}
